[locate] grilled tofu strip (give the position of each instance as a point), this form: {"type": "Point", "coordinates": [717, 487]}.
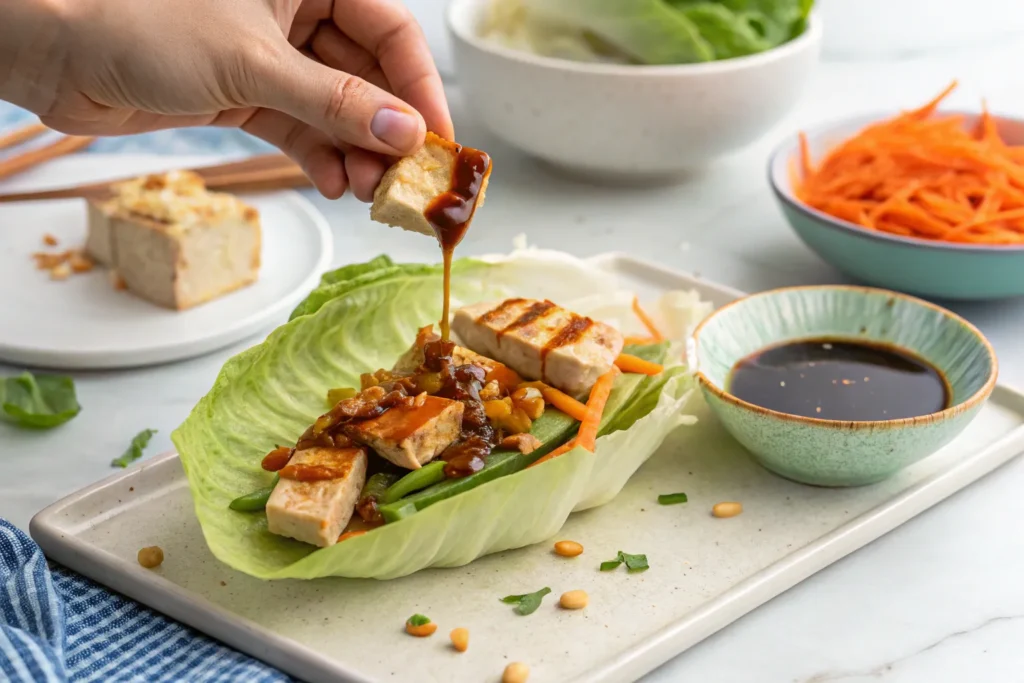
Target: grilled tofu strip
{"type": "Point", "coordinates": [541, 340]}
{"type": "Point", "coordinates": [411, 436]}
{"type": "Point", "coordinates": [316, 511]}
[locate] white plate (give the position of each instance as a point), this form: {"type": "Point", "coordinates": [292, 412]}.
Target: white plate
{"type": "Point", "coordinates": [83, 322]}
{"type": "Point", "coordinates": [705, 572]}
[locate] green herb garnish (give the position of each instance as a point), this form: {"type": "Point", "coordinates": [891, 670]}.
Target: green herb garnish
{"type": "Point", "coordinates": [634, 563]}
{"type": "Point", "coordinates": [671, 498]}
{"type": "Point", "coordinates": [527, 603]}
{"type": "Point", "coordinates": [134, 450]}
{"type": "Point", "coordinates": [38, 401]}
{"type": "Point", "coordinates": [418, 620]}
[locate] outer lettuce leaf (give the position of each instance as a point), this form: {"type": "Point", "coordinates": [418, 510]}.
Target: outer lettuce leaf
{"type": "Point", "coordinates": [650, 31]}
{"type": "Point", "coordinates": [656, 31]}
{"type": "Point", "coordinates": [270, 393]}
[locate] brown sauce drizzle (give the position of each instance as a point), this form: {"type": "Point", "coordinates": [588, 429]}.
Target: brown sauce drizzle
{"type": "Point", "coordinates": [450, 213]}
{"type": "Point", "coordinates": [276, 459]}
{"type": "Point", "coordinates": [303, 472]}
{"type": "Point", "coordinates": [401, 422]}
{"type": "Point", "coordinates": [463, 458]}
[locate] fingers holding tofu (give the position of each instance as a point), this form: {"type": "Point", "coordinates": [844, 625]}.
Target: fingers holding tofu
{"type": "Point", "coordinates": [310, 505]}
{"type": "Point", "coordinates": [541, 340]}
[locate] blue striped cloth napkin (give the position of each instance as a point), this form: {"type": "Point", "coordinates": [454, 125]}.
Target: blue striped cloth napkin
{"type": "Point", "coordinates": [58, 626]}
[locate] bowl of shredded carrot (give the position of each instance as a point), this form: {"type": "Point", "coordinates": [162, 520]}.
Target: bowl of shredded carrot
{"type": "Point", "coordinates": [928, 202]}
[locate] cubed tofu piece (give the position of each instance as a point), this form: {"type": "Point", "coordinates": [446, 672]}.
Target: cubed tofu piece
{"type": "Point", "coordinates": [99, 241]}
{"type": "Point", "coordinates": [540, 340]}
{"type": "Point", "coordinates": [412, 359]}
{"type": "Point", "coordinates": [412, 436]}
{"type": "Point", "coordinates": [182, 268]}
{"type": "Point", "coordinates": [174, 243]}
{"type": "Point", "coordinates": [413, 182]}
{"type": "Point", "coordinates": [316, 512]}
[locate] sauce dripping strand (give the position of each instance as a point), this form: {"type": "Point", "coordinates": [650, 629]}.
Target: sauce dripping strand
{"type": "Point", "coordinates": [450, 213]}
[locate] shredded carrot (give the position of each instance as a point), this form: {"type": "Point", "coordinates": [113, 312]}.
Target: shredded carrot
{"type": "Point", "coordinates": [640, 341]}
{"type": "Point", "coordinates": [561, 450]}
{"type": "Point", "coordinates": [646, 320]}
{"type": "Point", "coordinates": [921, 174]}
{"type": "Point", "coordinates": [349, 534]}
{"type": "Point", "coordinates": [587, 436]}
{"type": "Point", "coordinates": [629, 363]}
{"type": "Point", "coordinates": [564, 402]}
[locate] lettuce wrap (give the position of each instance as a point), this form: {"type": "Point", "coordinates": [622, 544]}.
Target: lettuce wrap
{"type": "Point", "coordinates": [362, 317]}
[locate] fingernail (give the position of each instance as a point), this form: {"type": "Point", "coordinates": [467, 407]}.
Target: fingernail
{"type": "Point", "coordinates": [395, 128]}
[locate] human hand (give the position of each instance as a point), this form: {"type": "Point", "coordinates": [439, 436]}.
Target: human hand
{"type": "Point", "coordinates": [338, 85]}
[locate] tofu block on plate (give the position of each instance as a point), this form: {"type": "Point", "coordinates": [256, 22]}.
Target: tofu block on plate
{"type": "Point", "coordinates": [317, 511]}
{"type": "Point", "coordinates": [541, 340]}
{"type": "Point", "coordinates": [99, 240]}
{"type": "Point", "coordinates": [174, 243]}
{"type": "Point", "coordinates": [413, 182]}
{"type": "Point", "coordinates": [411, 436]}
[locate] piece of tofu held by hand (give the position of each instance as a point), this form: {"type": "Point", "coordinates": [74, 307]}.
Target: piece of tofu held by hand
{"type": "Point", "coordinates": [540, 340]}
{"type": "Point", "coordinates": [415, 184]}
{"type": "Point", "coordinates": [316, 511]}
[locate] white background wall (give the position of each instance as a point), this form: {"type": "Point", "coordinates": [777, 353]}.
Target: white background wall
{"type": "Point", "coordinates": [854, 29]}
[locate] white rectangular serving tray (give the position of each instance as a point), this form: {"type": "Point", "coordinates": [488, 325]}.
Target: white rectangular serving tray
{"type": "Point", "coordinates": [705, 572]}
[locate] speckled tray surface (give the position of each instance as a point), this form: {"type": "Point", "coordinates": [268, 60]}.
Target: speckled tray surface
{"type": "Point", "coordinates": [705, 572]}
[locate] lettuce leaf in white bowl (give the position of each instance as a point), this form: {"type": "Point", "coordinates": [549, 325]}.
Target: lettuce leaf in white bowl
{"type": "Point", "coordinates": [363, 317]}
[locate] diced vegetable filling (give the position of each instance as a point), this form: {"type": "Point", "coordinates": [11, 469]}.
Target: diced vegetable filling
{"type": "Point", "coordinates": [445, 419]}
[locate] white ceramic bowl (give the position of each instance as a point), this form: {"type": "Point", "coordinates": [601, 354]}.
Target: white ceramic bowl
{"type": "Point", "coordinates": [622, 121]}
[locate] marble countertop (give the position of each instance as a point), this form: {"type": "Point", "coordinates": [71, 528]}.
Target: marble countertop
{"type": "Point", "coordinates": [939, 599]}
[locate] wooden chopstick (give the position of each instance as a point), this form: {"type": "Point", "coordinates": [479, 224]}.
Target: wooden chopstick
{"type": "Point", "coordinates": [66, 145]}
{"type": "Point", "coordinates": [261, 179]}
{"type": "Point", "coordinates": [260, 173]}
{"type": "Point", "coordinates": [20, 135]}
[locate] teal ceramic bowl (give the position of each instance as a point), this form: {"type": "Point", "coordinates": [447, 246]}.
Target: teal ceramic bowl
{"type": "Point", "coordinates": [924, 267]}
{"type": "Point", "coordinates": [832, 452]}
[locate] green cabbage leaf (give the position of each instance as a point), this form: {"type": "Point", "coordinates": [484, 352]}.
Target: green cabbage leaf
{"type": "Point", "coordinates": [362, 318]}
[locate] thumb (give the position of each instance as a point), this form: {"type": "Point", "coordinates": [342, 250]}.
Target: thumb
{"type": "Point", "coordinates": [345, 107]}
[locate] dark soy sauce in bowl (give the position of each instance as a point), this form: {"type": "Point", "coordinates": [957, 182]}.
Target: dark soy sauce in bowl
{"type": "Point", "coordinates": [834, 379]}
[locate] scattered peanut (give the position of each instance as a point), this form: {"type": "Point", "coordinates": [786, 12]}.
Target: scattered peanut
{"type": "Point", "coordinates": [151, 556]}
{"type": "Point", "coordinates": [117, 282]}
{"type": "Point", "coordinates": [49, 240]}
{"type": "Point", "coordinates": [460, 639]}
{"type": "Point", "coordinates": [524, 443]}
{"type": "Point", "coordinates": [79, 262]}
{"type": "Point", "coordinates": [516, 672]}
{"type": "Point", "coordinates": [421, 631]}
{"type": "Point", "coordinates": [568, 548]}
{"type": "Point", "coordinates": [727, 509]}
{"type": "Point", "coordinates": [574, 599]}
{"type": "Point", "coordinates": [60, 272]}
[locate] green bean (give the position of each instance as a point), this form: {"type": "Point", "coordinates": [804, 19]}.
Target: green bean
{"type": "Point", "coordinates": [377, 485]}
{"type": "Point", "coordinates": [255, 501]}
{"type": "Point", "coordinates": [425, 476]}
{"type": "Point", "coordinates": [552, 428]}
{"type": "Point", "coordinates": [371, 494]}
